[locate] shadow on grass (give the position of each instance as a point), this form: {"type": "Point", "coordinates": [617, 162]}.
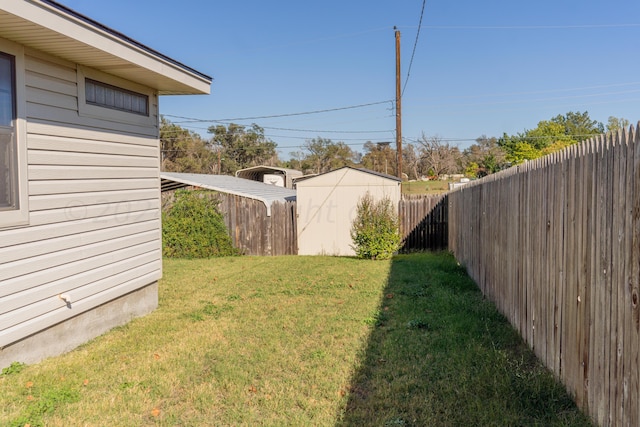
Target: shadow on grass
{"type": "Point", "coordinates": [441, 355]}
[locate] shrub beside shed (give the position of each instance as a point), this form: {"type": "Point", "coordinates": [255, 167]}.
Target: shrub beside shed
{"type": "Point", "coordinates": [327, 205]}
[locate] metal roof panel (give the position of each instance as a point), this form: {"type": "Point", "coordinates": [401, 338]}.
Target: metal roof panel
{"type": "Point", "coordinates": [265, 193]}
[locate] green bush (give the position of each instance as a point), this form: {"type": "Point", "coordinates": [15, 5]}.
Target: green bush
{"type": "Point", "coordinates": [375, 232]}
{"type": "Point", "coordinates": [193, 227]}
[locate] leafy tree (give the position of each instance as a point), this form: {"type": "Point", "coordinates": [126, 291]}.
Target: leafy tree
{"type": "Point", "coordinates": [523, 151]}
{"type": "Point", "coordinates": [472, 170]}
{"type": "Point", "coordinates": [374, 231]}
{"type": "Point", "coordinates": [185, 151]}
{"type": "Point", "coordinates": [579, 126]}
{"type": "Point", "coordinates": [615, 123]}
{"type": "Point", "coordinates": [549, 136]}
{"type": "Point", "coordinates": [439, 157]}
{"type": "Point", "coordinates": [484, 157]}
{"type": "Point", "coordinates": [323, 155]}
{"type": "Point", "coordinates": [295, 160]}
{"type": "Point", "coordinates": [242, 147]}
{"type": "Point", "coordinates": [380, 157]}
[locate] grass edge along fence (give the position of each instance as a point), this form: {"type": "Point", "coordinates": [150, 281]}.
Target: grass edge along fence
{"type": "Point", "coordinates": [555, 244]}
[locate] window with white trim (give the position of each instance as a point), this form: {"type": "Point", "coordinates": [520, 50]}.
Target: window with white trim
{"type": "Point", "coordinates": [104, 96]}
{"type": "Point", "coordinates": [14, 210]}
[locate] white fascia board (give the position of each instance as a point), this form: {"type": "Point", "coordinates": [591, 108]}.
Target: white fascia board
{"type": "Point", "coordinates": [83, 32]}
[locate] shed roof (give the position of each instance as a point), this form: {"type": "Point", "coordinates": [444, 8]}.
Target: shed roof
{"type": "Point", "coordinates": [380, 174]}
{"type": "Point", "coordinates": [53, 28]}
{"type": "Point", "coordinates": [265, 193]}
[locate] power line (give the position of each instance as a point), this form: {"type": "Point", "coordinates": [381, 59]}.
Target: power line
{"type": "Point", "coordinates": [440, 105]}
{"type": "Point", "coordinates": [415, 44]}
{"type": "Point", "coordinates": [328, 110]}
{"type": "Point", "coordinates": [527, 27]}
{"type": "Point", "coordinates": [537, 92]}
{"type": "Point", "coordinates": [272, 136]}
{"type": "Point", "coordinates": [311, 130]}
{"type": "Point", "coordinates": [189, 128]}
{"type": "Point", "coordinates": [327, 131]}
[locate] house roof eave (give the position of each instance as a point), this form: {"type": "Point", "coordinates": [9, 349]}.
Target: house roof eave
{"type": "Point", "coordinates": [50, 27]}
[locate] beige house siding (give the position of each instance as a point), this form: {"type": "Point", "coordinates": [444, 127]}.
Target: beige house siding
{"type": "Point", "coordinates": [94, 207]}
{"type": "Point", "coordinates": [327, 205]}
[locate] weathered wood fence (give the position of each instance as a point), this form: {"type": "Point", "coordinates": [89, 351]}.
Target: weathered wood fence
{"type": "Point", "coordinates": [555, 243]}
{"type": "Point", "coordinates": [423, 222]}
{"type": "Point", "coordinates": [255, 233]}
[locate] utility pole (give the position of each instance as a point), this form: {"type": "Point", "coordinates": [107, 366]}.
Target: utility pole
{"type": "Point", "coordinates": [398, 105]}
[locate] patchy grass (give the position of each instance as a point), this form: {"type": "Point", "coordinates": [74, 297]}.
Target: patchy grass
{"type": "Point", "coordinates": [425, 187]}
{"type": "Point", "coordinates": [298, 341]}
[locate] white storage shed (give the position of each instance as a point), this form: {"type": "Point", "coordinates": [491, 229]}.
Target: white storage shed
{"type": "Point", "coordinates": [80, 231]}
{"type": "Point", "coordinates": [327, 205]}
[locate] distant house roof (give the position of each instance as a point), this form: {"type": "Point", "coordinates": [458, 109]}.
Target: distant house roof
{"type": "Point", "coordinates": [53, 28]}
{"type": "Point", "coordinates": [265, 193]}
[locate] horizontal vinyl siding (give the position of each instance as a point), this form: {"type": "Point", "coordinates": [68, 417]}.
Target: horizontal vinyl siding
{"type": "Point", "coordinates": [101, 282]}
{"type": "Point", "coordinates": [64, 201]}
{"type": "Point", "coordinates": [94, 223]}
{"type": "Point", "coordinates": [83, 145]}
{"type": "Point", "coordinates": [53, 172]}
{"type": "Point", "coordinates": [39, 323]}
{"type": "Point", "coordinates": [52, 97]}
{"type": "Point", "coordinates": [36, 255]}
{"type": "Point", "coordinates": [39, 188]}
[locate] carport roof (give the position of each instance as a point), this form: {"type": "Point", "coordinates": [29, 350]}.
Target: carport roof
{"type": "Point", "coordinates": [265, 193]}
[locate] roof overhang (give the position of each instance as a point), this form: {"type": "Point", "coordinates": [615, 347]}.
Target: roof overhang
{"type": "Point", "coordinates": [55, 29]}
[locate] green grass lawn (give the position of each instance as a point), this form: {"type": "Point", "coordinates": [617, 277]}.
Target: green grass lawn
{"type": "Point", "coordinates": [297, 341]}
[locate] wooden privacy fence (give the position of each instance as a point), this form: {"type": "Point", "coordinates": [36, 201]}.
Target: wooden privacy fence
{"type": "Point", "coordinates": [255, 233]}
{"type": "Point", "coordinates": [250, 229]}
{"type": "Point", "coordinates": [555, 243]}
{"type": "Point", "coordinates": [423, 222]}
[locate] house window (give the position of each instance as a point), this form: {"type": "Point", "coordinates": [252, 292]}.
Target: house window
{"type": "Point", "coordinates": [9, 199]}
{"type": "Point", "coordinates": [108, 96]}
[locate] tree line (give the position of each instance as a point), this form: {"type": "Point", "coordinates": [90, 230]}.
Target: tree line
{"type": "Point", "coordinates": [234, 147]}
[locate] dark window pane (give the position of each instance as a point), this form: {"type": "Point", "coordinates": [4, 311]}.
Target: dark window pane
{"type": "Point", "coordinates": [108, 96]}
{"type": "Point", "coordinates": [7, 109]}
{"type": "Point", "coordinates": [8, 170]}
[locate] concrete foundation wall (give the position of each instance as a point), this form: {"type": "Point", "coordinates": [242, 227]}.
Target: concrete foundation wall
{"type": "Point", "coordinates": [67, 335]}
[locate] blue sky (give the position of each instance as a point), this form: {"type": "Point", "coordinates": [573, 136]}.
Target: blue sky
{"type": "Point", "coordinates": [479, 68]}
